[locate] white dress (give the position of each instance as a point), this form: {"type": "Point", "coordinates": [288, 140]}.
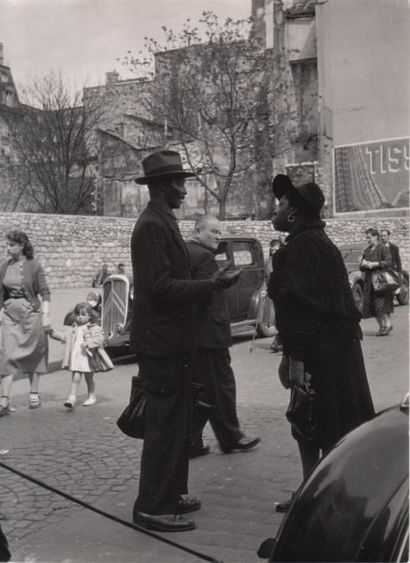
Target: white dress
{"type": "Point", "coordinates": [78, 355]}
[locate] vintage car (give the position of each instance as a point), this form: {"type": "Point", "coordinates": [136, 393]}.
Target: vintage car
{"type": "Point", "coordinates": [249, 307]}
{"type": "Point", "coordinates": [352, 254]}
{"type": "Point", "coordinates": [354, 506]}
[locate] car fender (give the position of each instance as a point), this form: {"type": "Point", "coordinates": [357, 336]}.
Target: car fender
{"type": "Point", "coordinates": [340, 505]}
{"type": "Point", "coordinates": [356, 276]}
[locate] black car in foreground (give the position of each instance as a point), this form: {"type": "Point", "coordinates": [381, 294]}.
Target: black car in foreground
{"type": "Point", "coordinates": [355, 504]}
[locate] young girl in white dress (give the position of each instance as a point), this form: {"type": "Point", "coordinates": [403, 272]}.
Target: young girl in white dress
{"type": "Point", "coordinates": [84, 353]}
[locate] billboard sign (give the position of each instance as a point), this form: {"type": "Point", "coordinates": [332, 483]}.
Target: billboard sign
{"type": "Point", "coordinates": [371, 176]}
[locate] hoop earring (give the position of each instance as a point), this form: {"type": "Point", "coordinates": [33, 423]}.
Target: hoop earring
{"type": "Point", "coordinates": [291, 218]}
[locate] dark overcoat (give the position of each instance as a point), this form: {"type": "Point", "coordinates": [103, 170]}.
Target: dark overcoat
{"type": "Point", "coordinates": [212, 323]}
{"type": "Point", "coordinates": [164, 292]}
{"type": "Point", "coordinates": [395, 255]}
{"type": "Point", "coordinates": [162, 335]}
{"type": "Point", "coordinates": [318, 324]}
{"type": "Point", "coordinates": [212, 360]}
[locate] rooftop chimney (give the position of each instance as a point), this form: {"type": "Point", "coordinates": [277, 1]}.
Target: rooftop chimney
{"type": "Point", "coordinates": [112, 77]}
{"type": "Point", "coordinates": [1, 54]}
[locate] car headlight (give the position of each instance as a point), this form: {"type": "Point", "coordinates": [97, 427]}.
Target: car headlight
{"type": "Point", "coordinates": [119, 329]}
{"type": "Point", "coordinates": [131, 293]}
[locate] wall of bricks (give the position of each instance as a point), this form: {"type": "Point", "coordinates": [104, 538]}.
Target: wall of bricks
{"type": "Point", "coordinates": [72, 248]}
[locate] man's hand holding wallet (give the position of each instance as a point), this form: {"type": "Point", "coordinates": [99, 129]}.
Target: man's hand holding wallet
{"type": "Point", "coordinates": [224, 277]}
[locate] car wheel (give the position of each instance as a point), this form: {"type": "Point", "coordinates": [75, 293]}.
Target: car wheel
{"type": "Point", "coordinates": [358, 296]}
{"type": "Point", "coordinates": [263, 330]}
{"type": "Point", "coordinates": [267, 325]}
{"type": "Point", "coordinates": [403, 296]}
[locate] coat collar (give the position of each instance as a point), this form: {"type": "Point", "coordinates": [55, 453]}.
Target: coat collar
{"type": "Point", "coordinates": [162, 209]}
{"type": "Point", "coordinates": [167, 215]}
{"type": "Point", "coordinates": [313, 224]}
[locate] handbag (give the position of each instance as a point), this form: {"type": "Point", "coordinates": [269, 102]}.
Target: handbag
{"type": "Point", "coordinates": [99, 360]}
{"type": "Point", "coordinates": [385, 280]}
{"type": "Point", "coordinates": [132, 419]}
{"type": "Point", "coordinates": [300, 412]}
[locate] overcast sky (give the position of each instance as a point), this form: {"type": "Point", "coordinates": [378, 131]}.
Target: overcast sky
{"type": "Point", "coordinates": [83, 38]}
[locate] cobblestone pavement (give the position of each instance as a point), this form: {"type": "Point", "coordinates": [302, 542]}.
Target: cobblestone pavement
{"type": "Point", "coordinates": [84, 454]}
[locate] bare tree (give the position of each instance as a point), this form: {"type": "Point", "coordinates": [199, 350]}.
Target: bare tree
{"type": "Point", "coordinates": [209, 88]}
{"type": "Point", "coordinates": [52, 137]}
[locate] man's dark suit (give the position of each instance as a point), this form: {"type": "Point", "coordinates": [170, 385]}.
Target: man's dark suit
{"type": "Point", "coordinates": [395, 255]}
{"type": "Point", "coordinates": [212, 360]}
{"type": "Point", "coordinates": [162, 336]}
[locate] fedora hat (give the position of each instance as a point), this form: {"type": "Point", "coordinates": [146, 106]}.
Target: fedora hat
{"type": "Point", "coordinates": [162, 164]}
{"type": "Point", "coordinates": [309, 195]}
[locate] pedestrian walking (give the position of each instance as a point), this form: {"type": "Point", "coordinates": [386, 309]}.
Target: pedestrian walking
{"type": "Point", "coordinates": [385, 235]}
{"type": "Point", "coordinates": [212, 360]}
{"type": "Point", "coordinates": [101, 276]}
{"type": "Point", "coordinates": [95, 300]}
{"type": "Point", "coordinates": [84, 354]}
{"type": "Point", "coordinates": [376, 257]}
{"type": "Point", "coordinates": [24, 315]}
{"type": "Point", "coordinates": [162, 336]}
{"type": "Point", "coordinates": [318, 323]}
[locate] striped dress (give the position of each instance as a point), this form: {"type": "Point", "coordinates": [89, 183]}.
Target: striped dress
{"type": "Point", "coordinates": [23, 344]}
{"type": "Point", "coordinates": [376, 305]}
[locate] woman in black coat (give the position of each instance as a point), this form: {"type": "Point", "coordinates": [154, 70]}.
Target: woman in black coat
{"type": "Point", "coordinates": [317, 320]}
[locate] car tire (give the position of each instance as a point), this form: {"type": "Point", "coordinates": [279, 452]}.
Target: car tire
{"type": "Point", "coordinates": [358, 296]}
{"type": "Point", "coordinates": [263, 330]}
{"type": "Point", "coordinates": [266, 327]}
{"type": "Point", "coordinates": [403, 296]}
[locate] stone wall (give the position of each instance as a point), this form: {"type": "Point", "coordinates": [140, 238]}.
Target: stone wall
{"type": "Point", "coordinates": [72, 248]}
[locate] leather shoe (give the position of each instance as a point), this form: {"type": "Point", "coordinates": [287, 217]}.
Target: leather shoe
{"type": "Point", "coordinates": [188, 504]}
{"type": "Point", "coordinates": [163, 522]}
{"type": "Point", "coordinates": [243, 444]}
{"type": "Point", "coordinates": [4, 410]}
{"type": "Point", "coordinates": [198, 452]}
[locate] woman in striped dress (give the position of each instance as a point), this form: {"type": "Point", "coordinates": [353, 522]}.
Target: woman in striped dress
{"type": "Point", "coordinates": [24, 316]}
{"type": "Point", "coordinates": [376, 257]}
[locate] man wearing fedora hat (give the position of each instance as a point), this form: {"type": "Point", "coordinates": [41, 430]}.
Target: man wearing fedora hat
{"type": "Point", "coordinates": [162, 335]}
{"type": "Point", "coordinates": [318, 323]}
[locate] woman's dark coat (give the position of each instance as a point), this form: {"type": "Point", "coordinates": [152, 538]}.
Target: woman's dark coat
{"type": "Point", "coordinates": [318, 324]}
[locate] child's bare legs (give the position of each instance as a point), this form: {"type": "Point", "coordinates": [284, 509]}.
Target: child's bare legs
{"type": "Point", "coordinates": [72, 397]}
{"type": "Point", "coordinates": [34, 379]}
{"type": "Point", "coordinates": [92, 399]}
{"type": "Point", "coordinates": [5, 385]}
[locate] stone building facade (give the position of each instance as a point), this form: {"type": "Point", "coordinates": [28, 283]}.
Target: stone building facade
{"type": "Point", "coordinates": [299, 44]}
{"type": "Point", "coordinates": [283, 37]}
{"type": "Point", "coordinates": [130, 127]}
{"type": "Point", "coordinates": [11, 177]}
